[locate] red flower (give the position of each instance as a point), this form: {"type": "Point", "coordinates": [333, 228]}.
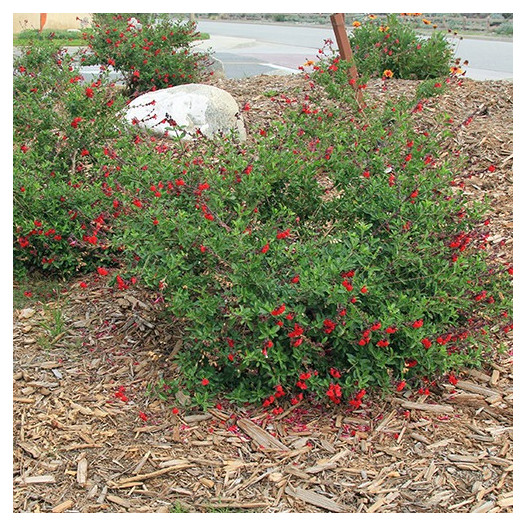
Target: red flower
{"type": "Point", "coordinates": [427, 343]}
{"type": "Point", "coordinates": [102, 271]}
{"type": "Point", "coordinates": [453, 379]}
{"type": "Point", "coordinates": [89, 93]}
{"type": "Point", "coordinates": [367, 174]}
{"type": "Point", "coordinates": [295, 279]}
{"type": "Point", "coordinates": [376, 326]}
{"type": "Point", "coordinates": [83, 285]}
{"type": "Point", "coordinates": [347, 285]}
{"type": "Point", "coordinates": [334, 393]}
{"type": "Point", "coordinates": [284, 234]}
{"type": "Point", "coordinates": [75, 122]}
{"type": "Point", "coordinates": [382, 343]}
{"type": "Point", "coordinates": [417, 324]}
{"type": "Point", "coordinates": [279, 310]}
{"type": "Point", "coordinates": [205, 381]}
{"type": "Point", "coordinates": [143, 416]}
{"type": "Point", "coordinates": [491, 168]}
{"type": "Point", "coordinates": [363, 290]}
{"type": "Point", "coordinates": [335, 373]}
{"type": "Point", "coordinates": [246, 107]}
{"type": "Point", "coordinates": [400, 385]}
{"type": "Point", "coordinates": [175, 411]}
{"type": "Point", "coordinates": [24, 148]}
{"type": "Point", "coordinates": [329, 326]}
{"type": "Point", "coordinates": [264, 250]}
{"type": "Point", "coordinates": [298, 331]}
{"type": "Point", "coordinates": [391, 330]}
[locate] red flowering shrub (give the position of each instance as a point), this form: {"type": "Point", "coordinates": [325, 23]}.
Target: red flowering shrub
{"type": "Point", "coordinates": [278, 285]}
{"type": "Point", "coordinates": [61, 128]}
{"type": "Point", "coordinates": [149, 53]}
{"type": "Point", "coordinates": [292, 272]}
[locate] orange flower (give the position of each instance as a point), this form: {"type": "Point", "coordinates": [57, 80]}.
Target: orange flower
{"type": "Point", "coordinates": [388, 74]}
{"type": "Point", "coordinates": [426, 22]}
{"type": "Point", "coordinates": [372, 17]}
{"type": "Point", "coordinates": [456, 71]}
{"type": "Point", "coordinates": [309, 63]}
{"type": "Point", "coordinates": [356, 23]}
{"type": "Point", "coordinates": [383, 29]}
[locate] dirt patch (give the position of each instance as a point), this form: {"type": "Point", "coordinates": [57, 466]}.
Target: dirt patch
{"type": "Point", "coordinates": [90, 436]}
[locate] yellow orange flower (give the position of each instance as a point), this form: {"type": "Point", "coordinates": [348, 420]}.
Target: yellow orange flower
{"type": "Point", "coordinates": [309, 63]}
{"type": "Point", "coordinates": [383, 29]}
{"type": "Point", "coordinates": [426, 22]}
{"type": "Point", "coordinates": [356, 23]}
{"type": "Point", "coordinates": [456, 71]}
{"type": "Point", "coordinates": [372, 17]}
{"type": "Point", "coordinates": [388, 74]}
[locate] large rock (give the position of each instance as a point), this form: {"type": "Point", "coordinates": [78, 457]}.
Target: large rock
{"type": "Point", "coordinates": [181, 110]}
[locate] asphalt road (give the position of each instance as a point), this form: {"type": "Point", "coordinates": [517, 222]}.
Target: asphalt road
{"type": "Point", "coordinates": [253, 49]}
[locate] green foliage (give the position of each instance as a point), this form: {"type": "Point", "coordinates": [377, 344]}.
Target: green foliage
{"type": "Point", "coordinates": [505, 29]}
{"type": "Point", "coordinates": [65, 38]}
{"type": "Point", "coordinates": [151, 52]}
{"type": "Point", "coordinates": [391, 44]}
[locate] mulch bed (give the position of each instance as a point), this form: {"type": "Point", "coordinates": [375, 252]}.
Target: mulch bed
{"type": "Point", "coordinates": [90, 435]}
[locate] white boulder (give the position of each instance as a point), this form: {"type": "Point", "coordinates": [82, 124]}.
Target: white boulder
{"type": "Point", "coordinates": [182, 110]}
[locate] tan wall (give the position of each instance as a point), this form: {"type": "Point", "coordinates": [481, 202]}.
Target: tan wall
{"type": "Point", "coordinates": [23, 21]}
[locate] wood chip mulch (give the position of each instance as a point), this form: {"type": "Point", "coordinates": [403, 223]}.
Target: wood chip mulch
{"type": "Point", "coordinates": [91, 435]}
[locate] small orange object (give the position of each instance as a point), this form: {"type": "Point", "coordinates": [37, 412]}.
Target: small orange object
{"type": "Point", "coordinates": [43, 18]}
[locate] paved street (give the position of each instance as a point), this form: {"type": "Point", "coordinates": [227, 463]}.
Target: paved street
{"type": "Point", "coordinates": [252, 49]}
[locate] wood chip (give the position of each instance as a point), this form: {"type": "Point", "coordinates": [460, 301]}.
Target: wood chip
{"type": "Point", "coordinates": [82, 472]}
{"type": "Point", "coordinates": [505, 503]}
{"type": "Point", "coordinates": [117, 500]}
{"type": "Point", "coordinates": [314, 498]}
{"type": "Point", "coordinates": [38, 479]}
{"type": "Point", "coordinates": [431, 408]}
{"type": "Point", "coordinates": [262, 437]}
{"type": "Point", "coordinates": [30, 448]}
{"type": "Point", "coordinates": [153, 474]}
{"type": "Point", "coordinates": [475, 388]}
{"type": "Point", "coordinates": [63, 506]}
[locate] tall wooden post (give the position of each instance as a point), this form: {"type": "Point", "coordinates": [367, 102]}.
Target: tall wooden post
{"type": "Point", "coordinates": [344, 48]}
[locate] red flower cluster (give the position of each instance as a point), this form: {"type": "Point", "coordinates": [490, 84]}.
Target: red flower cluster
{"type": "Point", "coordinates": [279, 310]}
{"type": "Point", "coordinates": [334, 393]}
{"type": "Point", "coordinates": [284, 234]}
{"type": "Point", "coordinates": [329, 326]}
{"type": "Point", "coordinates": [120, 394]}
{"type": "Point", "coordinates": [356, 402]}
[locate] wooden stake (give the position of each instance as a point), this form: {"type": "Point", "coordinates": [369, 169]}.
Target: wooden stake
{"type": "Point", "coordinates": [344, 48]}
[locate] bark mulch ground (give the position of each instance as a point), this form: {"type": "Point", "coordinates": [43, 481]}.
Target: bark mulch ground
{"type": "Point", "coordinates": [91, 434]}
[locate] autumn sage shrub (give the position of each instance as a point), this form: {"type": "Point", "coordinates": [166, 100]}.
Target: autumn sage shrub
{"type": "Point", "coordinates": [61, 130]}
{"type": "Point", "coordinates": [332, 256]}
{"type": "Point", "coordinates": [390, 46]}
{"type": "Point", "coordinates": [150, 53]}
{"type": "Point", "coordinates": [329, 255]}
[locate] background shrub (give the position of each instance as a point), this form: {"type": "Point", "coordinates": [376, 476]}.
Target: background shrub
{"type": "Point", "coordinates": [61, 130]}
{"type": "Point", "coordinates": [390, 43]}
{"type": "Point", "coordinates": [151, 53]}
